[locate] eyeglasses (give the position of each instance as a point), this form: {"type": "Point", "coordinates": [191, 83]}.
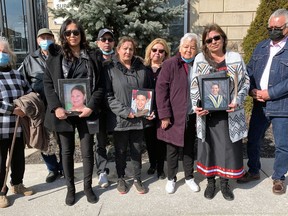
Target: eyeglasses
{"type": "Point", "coordinates": [159, 50]}
{"type": "Point", "coordinates": [276, 28]}
{"type": "Point", "coordinates": [103, 39]}
{"type": "Point", "coordinates": [215, 38]}
{"type": "Point", "coordinates": [75, 32]}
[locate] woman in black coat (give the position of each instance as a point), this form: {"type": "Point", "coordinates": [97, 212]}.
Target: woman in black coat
{"type": "Point", "coordinates": [73, 61]}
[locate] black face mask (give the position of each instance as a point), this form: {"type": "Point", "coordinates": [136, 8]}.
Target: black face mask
{"type": "Point", "coordinates": [276, 34]}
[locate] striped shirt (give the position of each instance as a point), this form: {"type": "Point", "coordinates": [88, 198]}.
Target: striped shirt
{"type": "Point", "coordinates": [12, 86]}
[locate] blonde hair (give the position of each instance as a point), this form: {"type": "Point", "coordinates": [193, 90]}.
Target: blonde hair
{"type": "Point", "coordinates": [6, 44]}
{"type": "Point", "coordinates": [147, 60]}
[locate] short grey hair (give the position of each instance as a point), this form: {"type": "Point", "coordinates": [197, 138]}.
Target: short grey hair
{"type": "Point", "coordinates": [190, 37]}
{"type": "Point", "coordinates": [278, 13]}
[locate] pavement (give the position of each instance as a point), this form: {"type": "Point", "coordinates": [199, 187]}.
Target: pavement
{"type": "Point", "coordinates": [254, 198]}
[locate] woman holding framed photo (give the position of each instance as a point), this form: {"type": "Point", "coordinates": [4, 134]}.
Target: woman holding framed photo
{"type": "Point", "coordinates": [75, 60]}
{"type": "Point", "coordinates": [125, 73]}
{"type": "Point", "coordinates": [220, 133]}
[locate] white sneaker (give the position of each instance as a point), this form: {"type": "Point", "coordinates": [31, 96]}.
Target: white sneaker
{"type": "Point", "coordinates": [103, 180]}
{"type": "Point", "coordinates": [193, 186]}
{"type": "Point", "coordinates": [170, 186]}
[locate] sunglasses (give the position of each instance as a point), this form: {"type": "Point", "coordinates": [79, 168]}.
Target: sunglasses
{"type": "Point", "coordinates": [215, 38]}
{"type": "Point", "coordinates": [276, 28]}
{"type": "Point", "coordinates": [69, 32]}
{"type": "Point", "coordinates": [159, 50]}
{"type": "Point", "coordinates": [103, 39]}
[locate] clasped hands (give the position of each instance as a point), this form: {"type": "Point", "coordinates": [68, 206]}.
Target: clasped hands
{"type": "Point", "coordinates": [260, 95]}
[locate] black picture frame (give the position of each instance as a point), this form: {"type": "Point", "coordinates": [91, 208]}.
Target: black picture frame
{"type": "Point", "coordinates": [137, 101]}
{"type": "Point", "coordinates": [212, 86]}
{"type": "Point", "coordinates": [66, 86]}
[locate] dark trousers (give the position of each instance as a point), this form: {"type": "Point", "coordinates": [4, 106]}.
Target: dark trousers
{"type": "Point", "coordinates": [51, 161]}
{"type": "Point", "coordinates": [102, 140]}
{"type": "Point", "coordinates": [134, 139]}
{"type": "Point", "coordinates": [17, 162]}
{"type": "Point", "coordinates": [188, 152]}
{"type": "Point", "coordinates": [67, 141]}
{"type": "Point", "coordinates": [258, 125]}
{"type": "Point", "coordinates": [156, 148]}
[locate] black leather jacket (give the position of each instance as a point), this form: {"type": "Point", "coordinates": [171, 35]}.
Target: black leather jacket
{"type": "Point", "coordinates": [33, 67]}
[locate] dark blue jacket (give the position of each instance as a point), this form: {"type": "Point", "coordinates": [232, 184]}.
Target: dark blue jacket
{"type": "Point", "coordinates": [278, 78]}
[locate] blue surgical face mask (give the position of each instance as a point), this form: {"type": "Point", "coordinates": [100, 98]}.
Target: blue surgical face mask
{"type": "Point", "coordinates": [44, 44]}
{"type": "Point", "coordinates": [107, 53]}
{"type": "Point", "coordinates": [4, 59]}
{"type": "Point", "coordinates": [187, 60]}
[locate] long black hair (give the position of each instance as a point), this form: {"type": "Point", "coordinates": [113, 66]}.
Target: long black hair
{"type": "Point", "coordinates": [65, 46]}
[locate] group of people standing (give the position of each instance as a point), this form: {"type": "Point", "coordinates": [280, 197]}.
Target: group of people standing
{"type": "Point", "coordinates": [177, 117]}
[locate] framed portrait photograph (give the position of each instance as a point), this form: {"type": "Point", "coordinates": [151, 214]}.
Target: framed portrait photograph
{"type": "Point", "coordinates": [142, 102]}
{"type": "Point", "coordinates": [215, 93]}
{"type": "Point", "coordinates": [74, 94]}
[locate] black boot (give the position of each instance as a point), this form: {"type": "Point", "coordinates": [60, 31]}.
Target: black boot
{"type": "Point", "coordinates": [210, 189]}
{"type": "Point", "coordinates": [91, 197]}
{"type": "Point", "coordinates": [70, 196]}
{"type": "Point", "coordinates": [225, 189]}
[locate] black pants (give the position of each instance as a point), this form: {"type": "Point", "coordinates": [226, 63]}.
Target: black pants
{"type": "Point", "coordinates": [17, 162]}
{"type": "Point", "coordinates": [188, 152]}
{"type": "Point", "coordinates": [67, 141]}
{"type": "Point", "coordinates": [100, 148]}
{"type": "Point", "coordinates": [156, 148]}
{"type": "Point", "coordinates": [134, 139]}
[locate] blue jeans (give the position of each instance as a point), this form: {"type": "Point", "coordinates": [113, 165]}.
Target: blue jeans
{"type": "Point", "coordinates": [280, 131]}
{"type": "Point", "coordinates": [257, 128]}
{"type": "Point", "coordinates": [52, 163]}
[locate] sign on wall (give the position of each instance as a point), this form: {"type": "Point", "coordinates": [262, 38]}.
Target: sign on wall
{"type": "Point", "coordinates": [57, 5]}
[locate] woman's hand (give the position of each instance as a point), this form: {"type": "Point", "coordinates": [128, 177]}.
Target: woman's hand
{"type": "Point", "coordinates": [85, 112]}
{"type": "Point", "coordinates": [60, 113]}
{"type": "Point", "coordinates": [17, 111]}
{"type": "Point", "coordinates": [200, 112]}
{"type": "Point", "coordinates": [232, 107]}
{"type": "Point", "coordinates": [165, 123]}
{"type": "Point", "coordinates": [151, 116]}
{"type": "Point", "coordinates": [131, 115]}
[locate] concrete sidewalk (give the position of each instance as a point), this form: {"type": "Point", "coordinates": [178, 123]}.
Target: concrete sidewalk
{"type": "Point", "coordinates": [255, 198]}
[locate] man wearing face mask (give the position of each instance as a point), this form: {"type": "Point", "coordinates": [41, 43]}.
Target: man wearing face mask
{"type": "Point", "coordinates": [268, 73]}
{"type": "Point", "coordinates": [33, 67]}
{"type": "Point", "coordinates": [105, 42]}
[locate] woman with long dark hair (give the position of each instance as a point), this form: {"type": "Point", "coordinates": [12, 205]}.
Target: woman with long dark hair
{"type": "Point", "coordinates": [73, 61]}
{"type": "Point", "coordinates": [220, 133]}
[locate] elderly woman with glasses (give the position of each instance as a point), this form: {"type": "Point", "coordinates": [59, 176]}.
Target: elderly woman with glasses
{"type": "Point", "coordinates": [177, 123]}
{"type": "Point", "coordinates": [156, 53]}
{"type": "Point", "coordinates": [220, 132]}
{"type": "Point", "coordinates": [73, 61]}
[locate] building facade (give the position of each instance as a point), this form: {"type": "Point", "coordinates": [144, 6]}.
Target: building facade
{"type": "Point", "coordinates": [21, 19]}
{"type": "Point", "coordinates": [19, 23]}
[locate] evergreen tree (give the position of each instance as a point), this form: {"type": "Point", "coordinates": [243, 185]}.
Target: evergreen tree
{"type": "Point", "coordinates": [258, 32]}
{"type": "Point", "coordinates": [258, 28]}
{"type": "Point", "coordinates": [144, 20]}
